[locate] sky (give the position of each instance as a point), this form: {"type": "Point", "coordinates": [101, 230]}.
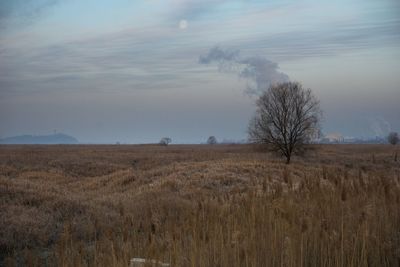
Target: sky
{"type": "Point", "coordinates": [134, 71]}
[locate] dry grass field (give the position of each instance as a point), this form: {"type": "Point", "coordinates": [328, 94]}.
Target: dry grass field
{"type": "Point", "coordinates": [198, 205]}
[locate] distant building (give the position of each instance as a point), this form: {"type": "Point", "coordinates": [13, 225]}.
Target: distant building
{"type": "Point", "coordinates": [333, 138]}
{"type": "Point", "coordinates": [337, 138]}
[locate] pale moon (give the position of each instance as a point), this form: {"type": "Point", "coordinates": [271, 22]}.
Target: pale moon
{"type": "Point", "coordinates": [183, 24]}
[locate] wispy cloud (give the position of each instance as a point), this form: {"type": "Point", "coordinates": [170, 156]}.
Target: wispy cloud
{"type": "Point", "coordinates": [23, 11]}
{"type": "Point", "coordinates": [326, 41]}
{"type": "Point", "coordinates": [194, 9]}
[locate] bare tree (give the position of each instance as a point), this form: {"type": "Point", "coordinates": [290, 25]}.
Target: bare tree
{"type": "Point", "coordinates": [287, 117]}
{"type": "Point", "coordinates": [212, 140]}
{"type": "Point", "coordinates": [393, 138]}
{"type": "Point", "coordinates": [165, 141]}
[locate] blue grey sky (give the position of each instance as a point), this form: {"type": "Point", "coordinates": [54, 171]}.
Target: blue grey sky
{"type": "Point", "coordinates": [135, 71]}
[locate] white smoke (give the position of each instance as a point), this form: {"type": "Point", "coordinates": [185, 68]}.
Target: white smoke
{"type": "Point", "coordinates": [379, 126]}
{"type": "Point", "coordinates": [259, 72]}
{"type": "Point", "coordinates": [219, 55]}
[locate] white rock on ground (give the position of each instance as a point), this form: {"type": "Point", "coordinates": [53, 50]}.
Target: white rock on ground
{"type": "Point", "coordinates": [141, 262]}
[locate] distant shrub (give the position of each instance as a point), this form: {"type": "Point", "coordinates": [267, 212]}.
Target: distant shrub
{"type": "Point", "coordinates": [165, 141]}
{"type": "Point", "coordinates": [393, 138]}
{"type": "Point", "coordinates": [212, 140]}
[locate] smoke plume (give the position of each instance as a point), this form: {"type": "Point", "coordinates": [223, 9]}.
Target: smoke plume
{"type": "Point", "coordinates": [259, 72]}
{"type": "Point", "coordinates": [379, 126]}
{"type": "Point", "coordinates": [219, 55]}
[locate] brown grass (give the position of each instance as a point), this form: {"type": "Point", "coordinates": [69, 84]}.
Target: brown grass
{"type": "Point", "coordinates": [198, 206]}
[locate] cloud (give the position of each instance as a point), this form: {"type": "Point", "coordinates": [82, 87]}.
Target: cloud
{"type": "Point", "coordinates": [195, 9]}
{"type": "Point", "coordinates": [259, 72]}
{"type": "Point", "coordinates": [23, 11]}
{"type": "Point", "coordinates": [135, 59]}
{"type": "Point", "coordinates": [329, 39]}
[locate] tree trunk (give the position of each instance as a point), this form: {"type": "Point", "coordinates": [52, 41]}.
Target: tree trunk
{"type": "Point", "coordinates": [287, 159]}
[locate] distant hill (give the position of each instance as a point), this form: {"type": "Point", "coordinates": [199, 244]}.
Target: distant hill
{"type": "Point", "coordinates": [51, 139]}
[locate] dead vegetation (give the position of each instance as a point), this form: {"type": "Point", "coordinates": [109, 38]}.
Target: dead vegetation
{"type": "Point", "coordinates": [203, 205]}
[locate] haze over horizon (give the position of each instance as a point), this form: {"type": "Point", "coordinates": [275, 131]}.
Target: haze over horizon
{"type": "Point", "coordinates": [135, 71]}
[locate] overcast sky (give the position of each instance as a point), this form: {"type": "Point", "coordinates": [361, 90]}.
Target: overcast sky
{"type": "Point", "coordinates": [134, 71]}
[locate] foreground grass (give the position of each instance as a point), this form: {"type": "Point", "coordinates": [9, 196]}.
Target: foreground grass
{"type": "Point", "coordinates": [198, 206]}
